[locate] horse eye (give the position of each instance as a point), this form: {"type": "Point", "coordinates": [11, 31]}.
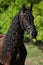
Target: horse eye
{"type": "Point", "coordinates": [29, 18]}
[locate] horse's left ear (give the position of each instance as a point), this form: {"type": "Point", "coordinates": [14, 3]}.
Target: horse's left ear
{"type": "Point", "coordinates": [23, 8]}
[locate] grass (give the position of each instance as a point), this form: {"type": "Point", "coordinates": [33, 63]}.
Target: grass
{"type": "Point", "coordinates": [34, 55]}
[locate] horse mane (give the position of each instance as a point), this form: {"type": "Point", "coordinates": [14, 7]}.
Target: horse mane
{"type": "Point", "coordinates": [10, 38]}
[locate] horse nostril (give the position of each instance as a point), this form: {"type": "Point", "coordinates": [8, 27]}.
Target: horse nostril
{"type": "Point", "coordinates": [34, 34]}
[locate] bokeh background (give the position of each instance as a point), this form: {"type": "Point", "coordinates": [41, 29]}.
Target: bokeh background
{"type": "Point", "coordinates": [9, 8]}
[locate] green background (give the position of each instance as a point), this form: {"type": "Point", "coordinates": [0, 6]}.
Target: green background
{"type": "Point", "coordinates": [9, 8]}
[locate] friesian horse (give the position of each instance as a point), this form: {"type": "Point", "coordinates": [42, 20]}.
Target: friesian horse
{"type": "Point", "coordinates": [13, 51]}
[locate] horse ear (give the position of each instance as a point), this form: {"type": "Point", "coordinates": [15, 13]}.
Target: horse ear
{"type": "Point", "coordinates": [23, 8]}
{"type": "Point", "coordinates": [30, 8]}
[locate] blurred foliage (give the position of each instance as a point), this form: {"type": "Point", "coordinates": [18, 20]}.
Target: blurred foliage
{"type": "Point", "coordinates": [9, 8]}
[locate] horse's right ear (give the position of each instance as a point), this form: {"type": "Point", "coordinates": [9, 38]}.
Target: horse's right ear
{"type": "Point", "coordinates": [30, 8]}
{"type": "Point", "coordinates": [23, 8]}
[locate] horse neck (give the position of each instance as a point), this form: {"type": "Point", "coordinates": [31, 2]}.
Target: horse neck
{"type": "Point", "coordinates": [12, 37]}
{"type": "Point", "coordinates": [13, 33]}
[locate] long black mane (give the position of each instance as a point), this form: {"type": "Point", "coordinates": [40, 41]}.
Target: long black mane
{"type": "Point", "coordinates": [11, 38]}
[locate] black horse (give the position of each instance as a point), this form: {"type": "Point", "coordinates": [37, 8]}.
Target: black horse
{"type": "Point", "coordinates": [13, 46]}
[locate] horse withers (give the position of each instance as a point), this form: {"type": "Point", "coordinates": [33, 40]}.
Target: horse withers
{"type": "Point", "coordinates": [13, 49]}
